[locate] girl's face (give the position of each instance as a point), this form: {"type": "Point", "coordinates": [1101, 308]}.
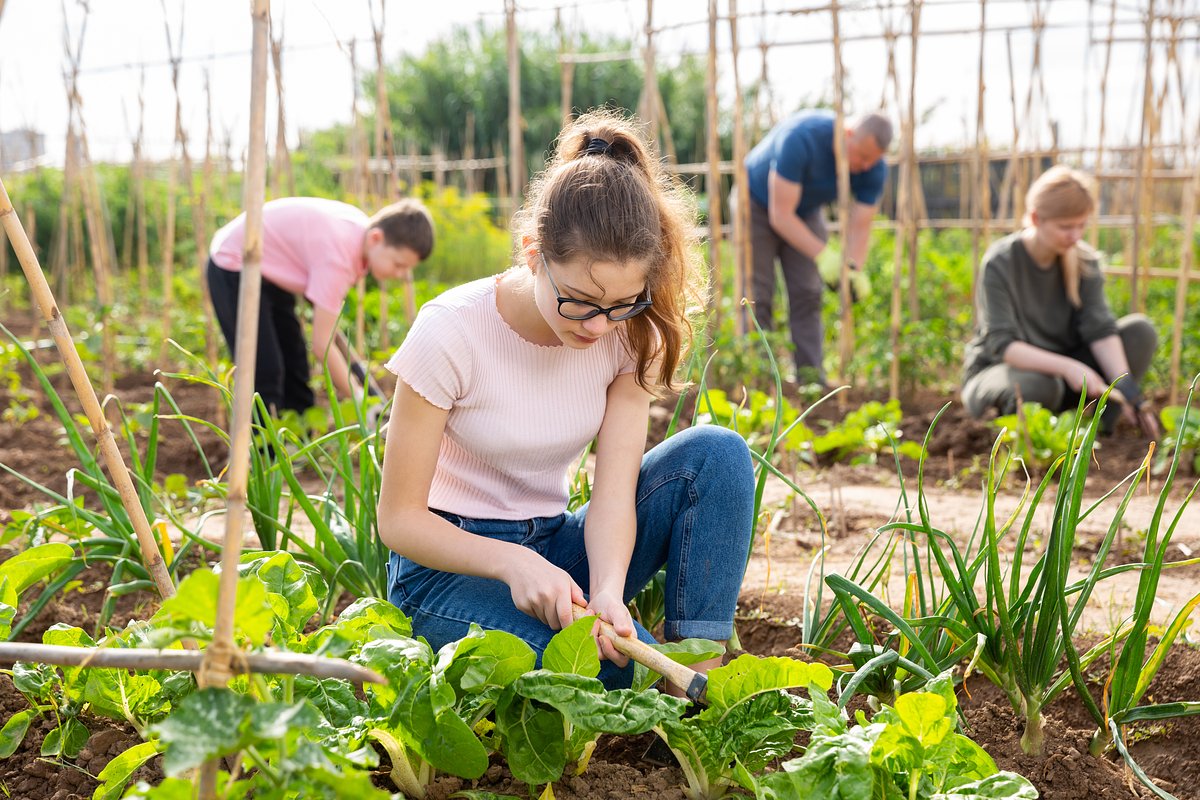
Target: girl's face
{"type": "Point", "coordinates": [605, 284]}
{"type": "Point", "coordinates": [1059, 235]}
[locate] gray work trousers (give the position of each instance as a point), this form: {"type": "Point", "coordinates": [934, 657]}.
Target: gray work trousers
{"type": "Point", "coordinates": [805, 289]}
{"type": "Point", "coordinates": [995, 387]}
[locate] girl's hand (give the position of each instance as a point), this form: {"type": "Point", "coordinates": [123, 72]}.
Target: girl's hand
{"type": "Point", "coordinates": [611, 609]}
{"type": "Point", "coordinates": [543, 591]}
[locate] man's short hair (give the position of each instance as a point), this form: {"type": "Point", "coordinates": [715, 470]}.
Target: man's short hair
{"type": "Point", "coordinates": [877, 126]}
{"type": "Point", "coordinates": [406, 223]}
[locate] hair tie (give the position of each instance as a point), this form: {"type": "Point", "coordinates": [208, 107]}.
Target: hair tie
{"type": "Point", "coordinates": [597, 147]}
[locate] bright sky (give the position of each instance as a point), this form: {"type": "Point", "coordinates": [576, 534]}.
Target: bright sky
{"type": "Point", "coordinates": [122, 34]}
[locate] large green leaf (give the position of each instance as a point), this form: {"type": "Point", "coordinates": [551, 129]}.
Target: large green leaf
{"type": "Point", "coordinates": [918, 723]}
{"type": "Point", "coordinates": [196, 601]}
{"type": "Point", "coordinates": [424, 716]}
{"type": "Point", "coordinates": [1001, 786]}
{"type": "Point", "coordinates": [487, 659]}
{"type": "Point", "coordinates": [748, 675]}
{"type": "Point", "coordinates": [66, 740]}
{"type": "Point", "coordinates": [13, 732]}
{"type": "Point", "coordinates": [30, 566]}
{"type": "Point", "coordinates": [573, 650]}
{"type": "Point", "coordinates": [374, 611]}
{"type": "Point", "coordinates": [116, 773]}
{"type": "Point", "coordinates": [282, 576]}
{"type": "Point", "coordinates": [119, 694]}
{"type": "Point", "coordinates": [586, 704]}
{"type": "Point", "coordinates": [533, 739]}
{"type": "Point", "coordinates": [833, 768]}
{"type": "Point", "coordinates": [208, 724]}
{"type": "Point", "coordinates": [335, 699]}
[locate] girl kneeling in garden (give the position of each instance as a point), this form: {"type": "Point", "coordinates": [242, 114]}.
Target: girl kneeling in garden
{"type": "Point", "coordinates": [1043, 327]}
{"type": "Point", "coordinates": [504, 381]}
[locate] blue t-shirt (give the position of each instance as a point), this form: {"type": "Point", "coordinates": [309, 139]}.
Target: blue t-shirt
{"type": "Point", "coordinates": [800, 149]}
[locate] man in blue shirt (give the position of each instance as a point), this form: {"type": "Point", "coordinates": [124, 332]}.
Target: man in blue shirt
{"type": "Point", "coordinates": [792, 176]}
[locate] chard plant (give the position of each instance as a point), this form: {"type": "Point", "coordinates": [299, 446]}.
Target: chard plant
{"type": "Point", "coordinates": [750, 720]}
{"type": "Point", "coordinates": [1181, 435]}
{"type": "Point", "coordinates": [908, 751]}
{"type": "Point", "coordinates": [1036, 434]}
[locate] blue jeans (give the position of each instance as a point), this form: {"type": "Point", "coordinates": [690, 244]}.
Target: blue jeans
{"type": "Point", "coordinates": [695, 506]}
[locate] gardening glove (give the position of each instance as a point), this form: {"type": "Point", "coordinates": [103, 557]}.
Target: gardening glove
{"type": "Point", "coordinates": [829, 265]}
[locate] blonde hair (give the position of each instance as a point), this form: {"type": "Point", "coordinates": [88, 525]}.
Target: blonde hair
{"type": "Point", "coordinates": [604, 196]}
{"type": "Point", "coordinates": [1059, 193]}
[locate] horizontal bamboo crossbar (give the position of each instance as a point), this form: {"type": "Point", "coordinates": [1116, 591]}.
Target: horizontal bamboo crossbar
{"type": "Point", "coordinates": [276, 662]}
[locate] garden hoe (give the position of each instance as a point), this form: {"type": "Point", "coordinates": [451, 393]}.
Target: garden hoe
{"type": "Point", "coordinates": [694, 684]}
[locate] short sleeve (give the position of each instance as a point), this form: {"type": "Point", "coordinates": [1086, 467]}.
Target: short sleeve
{"type": "Point", "coordinates": [792, 156]}
{"type": "Point", "coordinates": [869, 188]}
{"type": "Point", "coordinates": [434, 358]}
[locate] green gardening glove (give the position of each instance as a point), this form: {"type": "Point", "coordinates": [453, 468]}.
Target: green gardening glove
{"type": "Point", "coordinates": [829, 265]}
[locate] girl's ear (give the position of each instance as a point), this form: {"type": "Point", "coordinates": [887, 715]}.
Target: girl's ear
{"type": "Point", "coordinates": [529, 249]}
{"type": "Point", "coordinates": [1034, 219]}
{"type": "Point", "coordinates": [374, 236]}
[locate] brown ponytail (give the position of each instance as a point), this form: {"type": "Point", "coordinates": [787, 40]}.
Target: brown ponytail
{"type": "Point", "coordinates": [604, 196]}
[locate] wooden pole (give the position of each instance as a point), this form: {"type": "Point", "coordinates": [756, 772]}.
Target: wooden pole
{"type": "Point", "coordinates": [916, 194]}
{"type": "Point", "coordinates": [516, 127]}
{"type": "Point", "coordinates": [359, 177]}
{"type": "Point", "coordinates": [470, 184]}
{"type": "Point", "coordinates": [649, 109]}
{"type": "Point", "coordinates": [903, 209]}
{"type": "Point", "coordinates": [107, 443]}
{"type": "Point", "coordinates": [1099, 163]}
{"type": "Point", "coordinates": [741, 187]}
{"type": "Point", "coordinates": [983, 200]}
{"type": "Point", "coordinates": [566, 68]}
{"type": "Point", "coordinates": [1186, 256]}
{"type": "Point", "coordinates": [384, 145]}
{"type": "Point", "coordinates": [1145, 138]}
{"type": "Point", "coordinates": [502, 195]}
{"type": "Point", "coordinates": [1010, 171]}
{"type": "Point", "coordinates": [713, 180]}
{"type": "Point", "coordinates": [846, 339]}
{"type": "Point", "coordinates": [284, 178]}
{"type": "Point", "coordinates": [216, 669]}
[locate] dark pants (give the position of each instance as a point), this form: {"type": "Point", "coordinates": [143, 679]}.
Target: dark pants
{"type": "Point", "coordinates": [805, 289]}
{"type": "Point", "coordinates": [996, 386]}
{"type": "Point", "coordinates": [281, 373]}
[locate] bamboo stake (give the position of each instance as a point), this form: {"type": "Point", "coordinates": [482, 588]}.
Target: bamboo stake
{"type": "Point", "coordinates": [903, 208]}
{"type": "Point", "coordinates": [216, 668]}
{"type": "Point", "coordinates": [846, 338]}
{"type": "Point", "coordinates": [384, 144]}
{"type": "Point", "coordinates": [566, 69]}
{"type": "Point", "coordinates": [741, 210]}
{"type": "Point", "coordinates": [359, 176]}
{"type": "Point", "coordinates": [107, 443]}
{"type": "Point", "coordinates": [713, 180]}
{"type": "Point", "coordinates": [649, 109]}
{"type": "Point", "coordinates": [1186, 256]}
{"type": "Point", "coordinates": [211, 351]}
{"type": "Point", "coordinates": [1099, 163]}
{"type": "Point", "coordinates": [983, 200]}
{"type": "Point", "coordinates": [283, 159]}
{"type": "Point", "coordinates": [502, 195]}
{"type": "Point", "coordinates": [916, 194]}
{"type": "Point", "coordinates": [516, 144]}
{"type": "Point", "coordinates": [1010, 170]}
{"type": "Point", "coordinates": [1144, 138]}
{"type": "Point", "coordinates": [470, 186]}
{"type": "Point", "coordinates": [279, 662]}
{"type": "Point", "coordinates": [664, 125]}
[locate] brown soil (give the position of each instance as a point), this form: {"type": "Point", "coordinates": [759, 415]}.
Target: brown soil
{"type": "Point", "coordinates": [767, 625]}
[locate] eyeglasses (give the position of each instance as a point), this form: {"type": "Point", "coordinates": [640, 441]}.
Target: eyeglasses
{"type": "Point", "coordinates": [570, 308]}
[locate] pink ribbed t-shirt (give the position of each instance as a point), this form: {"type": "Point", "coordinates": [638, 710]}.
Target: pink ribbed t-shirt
{"type": "Point", "coordinates": [520, 413]}
{"type": "Point", "coordinates": [311, 246]}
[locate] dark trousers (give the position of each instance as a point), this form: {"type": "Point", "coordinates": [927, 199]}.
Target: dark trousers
{"type": "Point", "coordinates": [997, 386]}
{"type": "Point", "coordinates": [805, 289]}
{"type": "Point", "coordinates": [281, 373]}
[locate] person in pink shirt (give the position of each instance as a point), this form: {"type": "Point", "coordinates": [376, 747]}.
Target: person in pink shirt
{"type": "Point", "coordinates": [505, 381]}
{"type": "Point", "coordinates": [318, 249]}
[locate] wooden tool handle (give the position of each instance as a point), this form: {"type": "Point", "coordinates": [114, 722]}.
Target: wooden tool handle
{"type": "Point", "coordinates": [694, 684]}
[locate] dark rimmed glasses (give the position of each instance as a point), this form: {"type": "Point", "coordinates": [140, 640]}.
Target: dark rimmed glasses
{"type": "Point", "coordinates": [570, 308]}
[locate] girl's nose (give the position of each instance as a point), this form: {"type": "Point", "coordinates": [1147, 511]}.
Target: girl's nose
{"type": "Point", "coordinates": [596, 326]}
